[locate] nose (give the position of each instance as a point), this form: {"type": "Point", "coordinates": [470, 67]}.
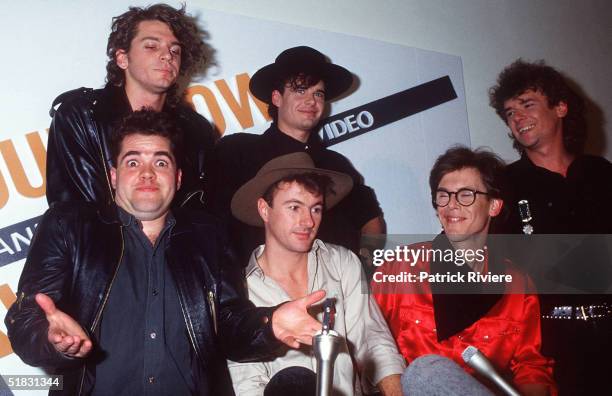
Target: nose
{"type": "Point", "coordinates": [518, 115]}
{"type": "Point", "coordinates": [307, 220]}
{"type": "Point", "coordinates": [310, 99]}
{"type": "Point", "coordinates": [166, 54]}
{"type": "Point", "coordinates": [453, 203]}
{"type": "Point", "coordinates": [147, 172]}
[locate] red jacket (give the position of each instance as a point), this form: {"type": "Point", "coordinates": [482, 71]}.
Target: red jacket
{"type": "Point", "coordinates": [509, 333]}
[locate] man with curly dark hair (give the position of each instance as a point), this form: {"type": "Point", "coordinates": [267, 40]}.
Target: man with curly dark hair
{"type": "Point", "coordinates": [556, 189]}
{"type": "Point", "coordinates": [149, 49]}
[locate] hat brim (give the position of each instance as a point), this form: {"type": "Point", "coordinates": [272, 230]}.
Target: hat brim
{"type": "Point", "coordinates": [337, 79]}
{"type": "Point", "coordinates": [244, 201]}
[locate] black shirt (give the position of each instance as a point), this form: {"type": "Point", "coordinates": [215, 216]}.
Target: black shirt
{"type": "Point", "coordinates": [143, 342]}
{"type": "Point", "coordinates": [575, 204]}
{"type": "Point", "coordinates": [238, 157]}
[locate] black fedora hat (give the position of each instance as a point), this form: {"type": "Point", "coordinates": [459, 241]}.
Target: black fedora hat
{"type": "Point", "coordinates": [244, 201]}
{"type": "Point", "coordinates": [297, 60]}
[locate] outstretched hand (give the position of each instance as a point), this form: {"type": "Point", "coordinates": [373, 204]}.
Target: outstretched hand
{"type": "Point", "coordinates": [64, 333]}
{"type": "Point", "coordinates": [293, 325]}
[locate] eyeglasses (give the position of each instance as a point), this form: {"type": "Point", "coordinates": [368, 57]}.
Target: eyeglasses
{"type": "Point", "coordinates": [464, 196]}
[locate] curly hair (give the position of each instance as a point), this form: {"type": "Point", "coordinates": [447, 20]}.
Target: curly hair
{"type": "Point", "coordinates": [488, 164]}
{"type": "Point", "coordinates": [293, 81]}
{"type": "Point", "coordinates": [522, 76]}
{"type": "Point", "coordinates": [149, 123]}
{"type": "Point", "coordinates": [125, 27]}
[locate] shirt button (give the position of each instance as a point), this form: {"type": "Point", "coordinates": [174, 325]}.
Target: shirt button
{"type": "Point", "coordinates": [486, 337]}
{"type": "Point", "coordinates": [153, 335]}
{"type": "Point", "coordinates": [155, 292]}
{"type": "Point", "coordinates": [417, 321]}
{"type": "Point", "coordinates": [151, 380]}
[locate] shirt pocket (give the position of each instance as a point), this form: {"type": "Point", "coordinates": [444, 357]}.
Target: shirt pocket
{"type": "Point", "coordinates": [414, 315]}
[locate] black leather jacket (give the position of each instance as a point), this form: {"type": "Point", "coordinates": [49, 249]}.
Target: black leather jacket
{"type": "Point", "coordinates": [74, 256]}
{"type": "Point", "coordinates": [78, 150]}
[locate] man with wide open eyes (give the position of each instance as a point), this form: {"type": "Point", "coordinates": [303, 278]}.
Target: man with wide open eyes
{"type": "Point", "coordinates": [136, 298]}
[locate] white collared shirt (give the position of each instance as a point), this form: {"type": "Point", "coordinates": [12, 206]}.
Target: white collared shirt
{"type": "Point", "coordinates": [358, 320]}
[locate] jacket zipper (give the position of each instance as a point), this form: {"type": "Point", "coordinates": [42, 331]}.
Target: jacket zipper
{"type": "Point", "coordinates": [104, 300]}
{"type": "Point", "coordinates": [189, 327]}
{"type": "Point", "coordinates": [213, 310]}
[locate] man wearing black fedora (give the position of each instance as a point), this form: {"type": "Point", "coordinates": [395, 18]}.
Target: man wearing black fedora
{"type": "Point", "coordinates": [287, 198]}
{"type": "Point", "coordinates": [296, 87]}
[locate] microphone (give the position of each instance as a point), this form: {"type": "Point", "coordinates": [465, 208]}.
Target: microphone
{"type": "Point", "coordinates": [326, 346]}
{"type": "Point", "coordinates": [479, 362]}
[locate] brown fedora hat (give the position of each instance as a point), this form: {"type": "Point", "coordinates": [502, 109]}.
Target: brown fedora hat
{"type": "Point", "coordinates": [297, 60]}
{"type": "Point", "coordinates": [244, 202]}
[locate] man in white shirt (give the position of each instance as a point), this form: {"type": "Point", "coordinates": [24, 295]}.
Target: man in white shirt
{"type": "Point", "coordinates": [287, 197]}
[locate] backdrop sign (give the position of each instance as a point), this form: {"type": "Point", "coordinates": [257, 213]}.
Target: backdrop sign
{"type": "Point", "coordinates": [407, 107]}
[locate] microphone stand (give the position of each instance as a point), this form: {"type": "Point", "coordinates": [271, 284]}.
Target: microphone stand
{"type": "Point", "coordinates": [326, 345]}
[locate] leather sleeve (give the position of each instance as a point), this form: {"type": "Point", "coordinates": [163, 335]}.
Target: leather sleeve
{"type": "Point", "coordinates": [47, 270]}
{"type": "Point", "coordinates": [76, 170]}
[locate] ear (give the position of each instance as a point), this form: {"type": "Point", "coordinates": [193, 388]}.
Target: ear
{"type": "Point", "coordinates": [179, 178]}
{"type": "Point", "coordinates": [277, 98]}
{"type": "Point", "coordinates": [113, 175]}
{"type": "Point", "coordinates": [495, 206]}
{"type": "Point", "coordinates": [121, 59]}
{"type": "Point", "coordinates": [561, 109]}
{"type": "Point", "coordinates": [263, 208]}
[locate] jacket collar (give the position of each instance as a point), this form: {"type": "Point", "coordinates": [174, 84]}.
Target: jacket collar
{"type": "Point", "coordinates": [113, 214]}
{"type": "Point", "coordinates": [113, 104]}
{"type": "Point", "coordinates": [459, 305]}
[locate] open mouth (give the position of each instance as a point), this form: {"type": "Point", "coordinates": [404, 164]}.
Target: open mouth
{"type": "Point", "coordinates": [526, 129]}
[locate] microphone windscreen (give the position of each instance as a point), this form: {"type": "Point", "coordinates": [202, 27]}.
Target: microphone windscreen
{"type": "Point", "coordinates": [437, 375]}
{"type": "Point", "coordinates": [468, 353]}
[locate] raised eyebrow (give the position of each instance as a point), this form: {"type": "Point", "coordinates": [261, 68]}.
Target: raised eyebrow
{"type": "Point", "coordinates": [129, 154]}
{"type": "Point", "coordinates": [163, 153]}
{"type": "Point", "coordinates": [137, 153]}
{"type": "Point", "coordinates": [166, 154]}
